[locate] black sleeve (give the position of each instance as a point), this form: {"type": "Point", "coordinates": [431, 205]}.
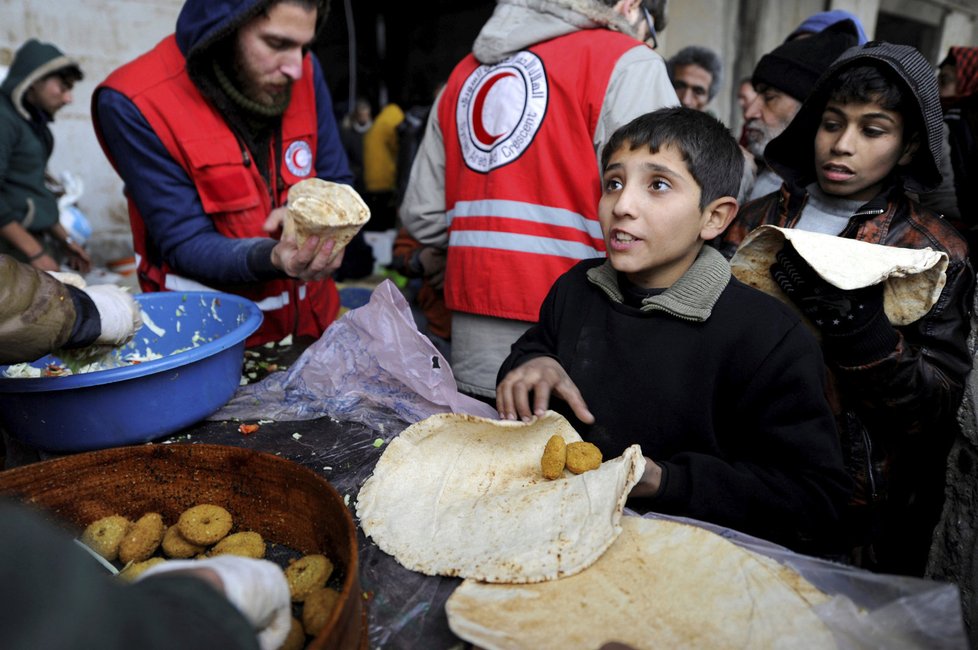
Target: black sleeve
{"type": "Point", "coordinates": [55, 596]}
{"type": "Point", "coordinates": [88, 323]}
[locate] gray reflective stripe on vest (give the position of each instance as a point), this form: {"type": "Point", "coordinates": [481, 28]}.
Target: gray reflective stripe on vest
{"type": "Point", "coordinates": [179, 283]}
{"type": "Point", "coordinates": [524, 243]}
{"type": "Point", "coordinates": [525, 212]}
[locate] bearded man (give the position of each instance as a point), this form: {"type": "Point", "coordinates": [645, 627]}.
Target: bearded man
{"type": "Point", "coordinates": [208, 131]}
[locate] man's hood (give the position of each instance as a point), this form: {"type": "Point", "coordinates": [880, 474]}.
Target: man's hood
{"type": "Point", "coordinates": [202, 23]}
{"type": "Point", "coordinates": [517, 24]}
{"type": "Point", "coordinates": [792, 154]}
{"type": "Point", "coordinates": [34, 60]}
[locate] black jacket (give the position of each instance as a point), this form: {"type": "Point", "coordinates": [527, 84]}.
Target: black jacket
{"type": "Point", "coordinates": [720, 385]}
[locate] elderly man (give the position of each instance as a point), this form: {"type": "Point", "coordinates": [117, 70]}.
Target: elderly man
{"type": "Point", "coordinates": [696, 73]}
{"type": "Point", "coordinates": [209, 130]}
{"type": "Point", "coordinates": [38, 85]}
{"type": "Point", "coordinates": [783, 78]}
{"type": "Point", "coordinates": [502, 179]}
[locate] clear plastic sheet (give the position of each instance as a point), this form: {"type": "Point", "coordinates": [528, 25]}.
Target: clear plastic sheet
{"type": "Point", "coordinates": [868, 610]}
{"type": "Point", "coordinates": [372, 366]}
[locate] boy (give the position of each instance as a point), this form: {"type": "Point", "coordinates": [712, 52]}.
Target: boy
{"type": "Point", "coordinates": [658, 345]}
{"type": "Point", "coordinates": [869, 133]}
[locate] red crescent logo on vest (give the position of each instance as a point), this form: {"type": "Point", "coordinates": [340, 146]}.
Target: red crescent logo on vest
{"type": "Point", "coordinates": [298, 158]}
{"type": "Point", "coordinates": [500, 109]}
{"type": "Point", "coordinates": [478, 127]}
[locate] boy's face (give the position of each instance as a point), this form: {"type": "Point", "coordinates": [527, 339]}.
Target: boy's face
{"type": "Point", "coordinates": [856, 147]}
{"type": "Point", "coordinates": [650, 217]}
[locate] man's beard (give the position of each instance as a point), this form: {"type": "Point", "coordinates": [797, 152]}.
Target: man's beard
{"type": "Point", "coordinates": [757, 139]}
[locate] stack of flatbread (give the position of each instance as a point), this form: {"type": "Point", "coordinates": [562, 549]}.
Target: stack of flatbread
{"type": "Point", "coordinates": [459, 495]}
{"type": "Point", "coordinates": [662, 584]}
{"type": "Point", "coordinates": [325, 209]}
{"type": "Point", "coordinates": [553, 563]}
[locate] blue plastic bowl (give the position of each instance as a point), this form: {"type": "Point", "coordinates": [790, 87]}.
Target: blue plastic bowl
{"type": "Point", "coordinates": [201, 336]}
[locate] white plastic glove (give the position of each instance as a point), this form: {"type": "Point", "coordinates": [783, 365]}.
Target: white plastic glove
{"type": "Point", "coordinates": [256, 587]}
{"type": "Point", "coordinates": [119, 312]}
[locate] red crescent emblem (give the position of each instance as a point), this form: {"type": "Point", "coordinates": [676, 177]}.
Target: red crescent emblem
{"type": "Point", "coordinates": [483, 136]}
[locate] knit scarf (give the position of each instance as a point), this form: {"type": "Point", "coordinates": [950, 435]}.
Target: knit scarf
{"type": "Point", "coordinates": [691, 297]}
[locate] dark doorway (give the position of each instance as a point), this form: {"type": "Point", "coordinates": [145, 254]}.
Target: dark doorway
{"type": "Point", "coordinates": [403, 50]}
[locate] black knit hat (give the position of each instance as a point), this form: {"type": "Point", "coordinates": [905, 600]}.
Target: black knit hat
{"type": "Point", "coordinates": [795, 66]}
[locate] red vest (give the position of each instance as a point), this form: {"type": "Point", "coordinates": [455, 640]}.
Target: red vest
{"type": "Point", "coordinates": [521, 178]}
{"type": "Point", "coordinates": [233, 193]}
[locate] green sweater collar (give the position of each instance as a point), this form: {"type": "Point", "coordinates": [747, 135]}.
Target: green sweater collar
{"type": "Point", "coordinates": [692, 296]}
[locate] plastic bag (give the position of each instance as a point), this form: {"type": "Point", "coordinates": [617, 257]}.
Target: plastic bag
{"type": "Point", "coordinates": [867, 610]}
{"type": "Point", "coordinates": [371, 366]}
{"type": "Point", "coordinates": [74, 221]}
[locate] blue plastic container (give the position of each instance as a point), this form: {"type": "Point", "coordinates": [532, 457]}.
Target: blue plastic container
{"type": "Point", "coordinates": [201, 336]}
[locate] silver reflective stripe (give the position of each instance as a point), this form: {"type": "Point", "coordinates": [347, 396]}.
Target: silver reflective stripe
{"type": "Point", "coordinates": [180, 283]}
{"type": "Point", "coordinates": [525, 212]}
{"type": "Point", "coordinates": [523, 243]}
{"type": "Point", "coordinates": [274, 302]}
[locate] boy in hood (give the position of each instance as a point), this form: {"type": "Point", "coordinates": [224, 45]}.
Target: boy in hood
{"type": "Point", "coordinates": [782, 79]}
{"type": "Point", "coordinates": [38, 84]}
{"type": "Point", "coordinates": [869, 132]}
{"type": "Point", "coordinates": [657, 345]}
{"type": "Point", "coordinates": [209, 130]}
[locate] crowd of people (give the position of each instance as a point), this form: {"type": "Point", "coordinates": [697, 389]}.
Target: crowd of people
{"type": "Point", "coordinates": [566, 205]}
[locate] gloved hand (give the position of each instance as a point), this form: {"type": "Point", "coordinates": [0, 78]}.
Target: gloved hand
{"type": "Point", "coordinates": [256, 587]}
{"type": "Point", "coordinates": [118, 311]}
{"type": "Point", "coordinates": [852, 321]}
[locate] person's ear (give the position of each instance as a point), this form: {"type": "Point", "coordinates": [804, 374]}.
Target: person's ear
{"type": "Point", "coordinates": [627, 7]}
{"type": "Point", "coordinates": [909, 150]}
{"type": "Point", "coordinates": [717, 216]}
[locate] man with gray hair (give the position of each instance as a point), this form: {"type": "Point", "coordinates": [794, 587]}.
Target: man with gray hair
{"type": "Point", "coordinates": [506, 182]}
{"type": "Point", "coordinates": [696, 73]}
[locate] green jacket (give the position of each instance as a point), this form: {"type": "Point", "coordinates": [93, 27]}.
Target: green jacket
{"type": "Point", "coordinates": [39, 314]}
{"type": "Point", "coordinates": [26, 141]}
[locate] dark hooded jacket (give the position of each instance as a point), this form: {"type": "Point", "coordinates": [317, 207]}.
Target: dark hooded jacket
{"type": "Point", "coordinates": [896, 412]}
{"type": "Point", "coordinates": [961, 116]}
{"type": "Point", "coordinates": [25, 139]}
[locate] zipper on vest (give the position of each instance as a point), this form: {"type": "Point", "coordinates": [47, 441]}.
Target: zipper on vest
{"type": "Point", "coordinates": [245, 155]}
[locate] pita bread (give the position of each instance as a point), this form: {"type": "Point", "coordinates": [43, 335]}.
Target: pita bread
{"type": "Point", "coordinates": [662, 584]}
{"type": "Point", "coordinates": [328, 210]}
{"type": "Point", "coordinates": [460, 495]}
{"type": "Point", "coordinates": [913, 278]}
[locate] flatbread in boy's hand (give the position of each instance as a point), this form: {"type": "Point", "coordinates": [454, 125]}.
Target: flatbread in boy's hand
{"type": "Point", "coordinates": [912, 278]}
{"type": "Point", "coordinates": [460, 495]}
{"type": "Point", "coordinates": [662, 584]}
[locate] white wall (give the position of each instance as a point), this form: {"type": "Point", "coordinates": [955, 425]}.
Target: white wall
{"type": "Point", "coordinates": [102, 35]}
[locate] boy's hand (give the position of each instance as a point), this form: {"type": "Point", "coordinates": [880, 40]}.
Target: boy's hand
{"type": "Point", "coordinates": [651, 481]}
{"type": "Point", "coordinates": [836, 312]}
{"type": "Point", "coordinates": [542, 376]}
